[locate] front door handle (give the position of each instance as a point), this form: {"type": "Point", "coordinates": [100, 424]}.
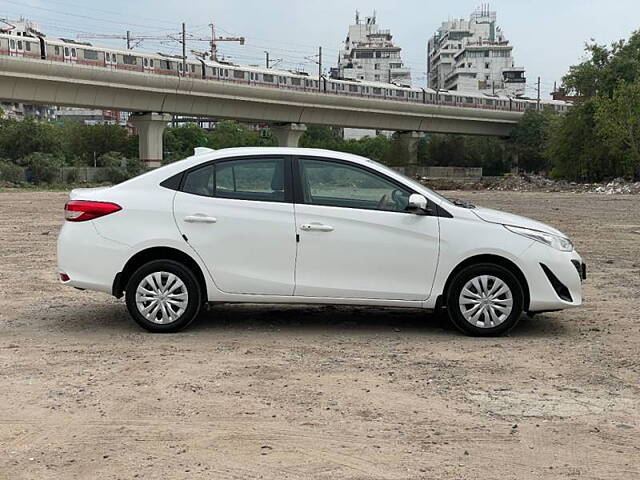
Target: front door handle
{"type": "Point", "coordinates": [200, 219]}
{"type": "Point", "coordinates": [316, 227]}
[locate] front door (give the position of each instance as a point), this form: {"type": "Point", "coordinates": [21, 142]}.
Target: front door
{"type": "Point", "coordinates": [356, 239]}
{"type": "Point", "coordinates": [238, 216]}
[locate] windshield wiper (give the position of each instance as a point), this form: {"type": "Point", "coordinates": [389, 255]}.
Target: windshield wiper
{"type": "Point", "coordinates": [461, 203]}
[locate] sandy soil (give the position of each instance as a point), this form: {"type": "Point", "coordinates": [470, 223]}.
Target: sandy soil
{"type": "Point", "coordinates": [320, 392]}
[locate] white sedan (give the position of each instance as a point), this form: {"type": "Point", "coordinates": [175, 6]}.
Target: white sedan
{"type": "Point", "coordinates": [288, 225]}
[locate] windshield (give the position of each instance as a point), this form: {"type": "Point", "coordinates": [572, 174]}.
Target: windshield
{"type": "Point", "coordinates": [414, 184]}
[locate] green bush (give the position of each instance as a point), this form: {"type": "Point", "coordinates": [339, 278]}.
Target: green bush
{"type": "Point", "coordinates": [117, 169]}
{"type": "Point", "coordinates": [42, 167]}
{"type": "Point", "coordinates": [11, 173]}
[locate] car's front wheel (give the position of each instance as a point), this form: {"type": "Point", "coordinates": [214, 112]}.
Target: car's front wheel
{"type": "Point", "coordinates": [485, 300]}
{"type": "Point", "coordinates": [163, 296]}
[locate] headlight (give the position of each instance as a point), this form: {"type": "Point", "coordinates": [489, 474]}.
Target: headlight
{"type": "Point", "coordinates": [554, 241]}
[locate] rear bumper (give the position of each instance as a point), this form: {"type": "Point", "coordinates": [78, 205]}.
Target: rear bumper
{"type": "Point", "coordinates": [555, 278]}
{"type": "Point", "coordinates": [90, 261]}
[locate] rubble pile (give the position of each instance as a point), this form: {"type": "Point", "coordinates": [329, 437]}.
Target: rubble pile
{"type": "Point", "coordinates": [536, 183]}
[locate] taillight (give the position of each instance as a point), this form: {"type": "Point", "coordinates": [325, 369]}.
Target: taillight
{"type": "Point", "coordinates": [82, 210]}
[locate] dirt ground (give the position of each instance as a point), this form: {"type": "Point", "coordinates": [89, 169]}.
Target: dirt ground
{"type": "Point", "coordinates": [256, 392]}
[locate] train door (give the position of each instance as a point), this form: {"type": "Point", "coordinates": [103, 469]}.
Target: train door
{"type": "Point", "coordinates": [70, 55]}
{"type": "Point", "coordinates": [110, 60]}
{"type": "Point", "coordinates": [148, 65]}
{"type": "Point", "coordinates": [16, 47]}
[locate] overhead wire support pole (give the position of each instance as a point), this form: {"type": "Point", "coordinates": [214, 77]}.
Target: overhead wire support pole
{"type": "Point", "coordinates": [320, 68]}
{"type": "Point", "coordinates": [267, 54]}
{"type": "Point", "coordinates": [128, 40]}
{"type": "Point", "coordinates": [538, 108]}
{"type": "Point", "coordinates": [184, 49]}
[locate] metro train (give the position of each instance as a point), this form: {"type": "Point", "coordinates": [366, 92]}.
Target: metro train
{"type": "Point", "coordinates": [71, 51]}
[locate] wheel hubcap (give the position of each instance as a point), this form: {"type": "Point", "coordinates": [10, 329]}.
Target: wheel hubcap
{"type": "Point", "coordinates": [162, 298]}
{"type": "Point", "coordinates": [486, 301]}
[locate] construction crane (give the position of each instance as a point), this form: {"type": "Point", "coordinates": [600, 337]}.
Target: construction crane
{"type": "Point", "coordinates": [180, 38]}
{"type": "Point", "coordinates": [213, 41]}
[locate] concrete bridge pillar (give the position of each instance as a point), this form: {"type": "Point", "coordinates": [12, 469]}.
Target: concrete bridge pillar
{"type": "Point", "coordinates": [409, 145]}
{"type": "Point", "coordinates": [288, 134]}
{"type": "Point", "coordinates": [150, 128]}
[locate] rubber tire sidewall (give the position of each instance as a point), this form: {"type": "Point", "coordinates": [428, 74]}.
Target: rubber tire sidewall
{"type": "Point", "coordinates": [187, 277]}
{"type": "Point", "coordinates": [461, 279]}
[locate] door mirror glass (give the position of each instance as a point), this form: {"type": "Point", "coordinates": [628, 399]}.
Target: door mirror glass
{"type": "Point", "coordinates": [417, 204]}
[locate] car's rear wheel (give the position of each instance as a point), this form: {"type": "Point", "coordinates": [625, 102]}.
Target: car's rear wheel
{"type": "Point", "coordinates": [485, 300]}
{"type": "Point", "coordinates": [163, 296]}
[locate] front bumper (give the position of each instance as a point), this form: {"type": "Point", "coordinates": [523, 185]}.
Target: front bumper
{"type": "Point", "coordinates": [555, 278]}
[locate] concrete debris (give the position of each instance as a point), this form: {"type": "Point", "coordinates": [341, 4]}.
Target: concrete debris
{"type": "Point", "coordinates": [535, 183]}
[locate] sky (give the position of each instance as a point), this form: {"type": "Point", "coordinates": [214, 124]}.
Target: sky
{"type": "Point", "coordinates": [548, 35]}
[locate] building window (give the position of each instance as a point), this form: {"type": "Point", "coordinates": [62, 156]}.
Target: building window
{"type": "Point", "coordinates": [487, 65]}
{"type": "Point", "coordinates": [377, 78]}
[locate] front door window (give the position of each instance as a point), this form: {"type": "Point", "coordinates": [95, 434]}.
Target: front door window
{"type": "Point", "coordinates": [336, 184]}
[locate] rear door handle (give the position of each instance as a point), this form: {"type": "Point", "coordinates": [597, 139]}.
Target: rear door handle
{"type": "Point", "coordinates": [316, 227]}
{"type": "Point", "coordinates": [200, 219]}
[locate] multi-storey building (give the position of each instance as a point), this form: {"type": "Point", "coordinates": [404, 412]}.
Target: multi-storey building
{"type": "Point", "coordinates": [474, 55]}
{"type": "Point", "coordinates": [369, 54]}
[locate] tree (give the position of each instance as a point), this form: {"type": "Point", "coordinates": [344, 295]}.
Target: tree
{"type": "Point", "coordinates": [529, 140]}
{"type": "Point", "coordinates": [19, 139]}
{"type": "Point", "coordinates": [618, 123]}
{"type": "Point", "coordinates": [179, 142]}
{"type": "Point", "coordinates": [228, 134]}
{"type": "Point", "coordinates": [89, 142]}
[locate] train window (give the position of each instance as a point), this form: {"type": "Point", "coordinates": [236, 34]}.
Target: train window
{"type": "Point", "coordinates": [91, 54]}
{"type": "Point", "coordinates": [448, 98]}
{"type": "Point", "coordinates": [180, 67]}
{"type": "Point", "coordinates": [193, 68]}
{"type": "Point", "coordinates": [151, 63]}
{"type": "Point", "coordinates": [27, 46]}
{"type": "Point", "coordinates": [129, 60]}
{"type": "Point", "coordinates": [13, 43]}
{"type": "Point", "coordinates": [66, 51]}
{"type": "Point", "coordinates": [267, 78]}
{"type": "Point", "coordinates": [353, 88]}
{"type": "Point", "coordinates": [57, 50]}
{"type": "Point", "coordinates": [468, 99]}
{"type": "Point", "coordinates": [73, 52]}
{"type": "Point", "coordinates": [226, 72]}
{"type": "Point", "coordinates": [296, 81]}
{"type": "Point", "coordinates": [399, 93]}
{"type": "Point", "coordinates": [488, 102]}
{"type": "Point", "coordinates": [146, 62]}
{"type": "Point", "coordinates": [19, 44]}
{"type": "Point", "coordinates": [238, 74]}
{"type": "Point", "coordinates": [377, 91]}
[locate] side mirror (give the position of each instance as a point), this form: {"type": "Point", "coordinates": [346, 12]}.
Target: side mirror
{"type": "Point", "coordinates": [418, 204]}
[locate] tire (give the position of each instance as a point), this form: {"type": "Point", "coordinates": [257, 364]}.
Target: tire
{"type": "Point", "coordinates": [178, 306]}
{"type": "Point", "coordinates": [492, 303]}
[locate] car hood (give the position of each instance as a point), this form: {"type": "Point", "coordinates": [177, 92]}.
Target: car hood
{"type": "Point", "coordinates": [504, 218]}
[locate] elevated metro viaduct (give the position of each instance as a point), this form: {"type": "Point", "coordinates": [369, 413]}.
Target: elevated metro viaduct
{"type": "Point", "coordinates": [156, 97]}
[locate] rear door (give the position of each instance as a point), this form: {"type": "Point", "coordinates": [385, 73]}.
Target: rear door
{"type": "Point", "coordinates": [238, 216]}
{"type": "Point", "coordinates": [356, 239]}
